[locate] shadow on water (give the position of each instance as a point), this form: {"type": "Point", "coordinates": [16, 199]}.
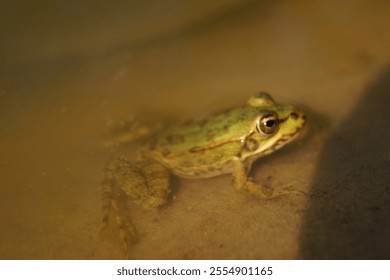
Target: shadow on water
{"type": "Point", "coordinates": [348, 216]}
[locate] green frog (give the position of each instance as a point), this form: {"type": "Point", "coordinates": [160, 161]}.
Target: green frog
{"type": "Point", "coordinates": [225, 143]}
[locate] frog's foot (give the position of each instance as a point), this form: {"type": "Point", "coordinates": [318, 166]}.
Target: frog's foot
{"type": "Point", "coordinates": [130, 130]}
{"type": "Point", "coordinates": [146, 183]}
{"type": "Point", "coordinates": [262, 192]}
{"type": "Point", "coordinates": [246, 185]}
{"type": "Point", "coordinates": [127, 231]}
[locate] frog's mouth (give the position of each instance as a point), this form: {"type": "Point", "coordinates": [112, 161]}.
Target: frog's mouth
{"type": "Point", "coordinates": [287, 138]}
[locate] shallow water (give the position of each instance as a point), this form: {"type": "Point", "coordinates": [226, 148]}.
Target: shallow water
{"type": "Point", "coordinates": [69, 73]}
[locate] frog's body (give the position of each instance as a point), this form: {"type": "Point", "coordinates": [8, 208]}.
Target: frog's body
{"type": "Point", "coordinates": [225, 143]}
{"type": "Point", "coordinates": [208, 149]}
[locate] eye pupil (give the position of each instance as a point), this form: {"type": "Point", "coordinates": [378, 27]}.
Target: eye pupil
{"type": "Point", "coordinates": [268, 123]}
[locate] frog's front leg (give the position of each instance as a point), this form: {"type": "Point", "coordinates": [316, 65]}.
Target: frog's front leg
{"type": "Point", "coordinates": [243, 184]}
{"type": "Point", "coordinates": [145, 182]}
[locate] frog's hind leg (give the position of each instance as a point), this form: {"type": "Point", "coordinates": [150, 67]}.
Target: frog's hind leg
{"type": "Point", "coordinates": [111, 202]}
{"type": "Point", "coordinates": [146, 183]}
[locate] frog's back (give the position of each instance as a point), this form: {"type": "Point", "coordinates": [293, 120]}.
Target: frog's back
{"type": "Point", "coordinates": [204, 149]}
{"type": "Point", "coordinates": [220, 128]}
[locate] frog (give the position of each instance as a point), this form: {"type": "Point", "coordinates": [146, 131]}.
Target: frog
{"type": "Point", "coordinates": [225, 143]}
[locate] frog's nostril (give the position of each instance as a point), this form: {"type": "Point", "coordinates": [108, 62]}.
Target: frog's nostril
{"type": "Point", "coordinates": [294, 115]}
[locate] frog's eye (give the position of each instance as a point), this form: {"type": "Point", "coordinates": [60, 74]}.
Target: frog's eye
{"type": "Point", "coordinates": [268, 123]}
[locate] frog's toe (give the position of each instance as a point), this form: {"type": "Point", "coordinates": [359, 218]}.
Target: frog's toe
{"type": "Point", "coordinates": [276, 193]}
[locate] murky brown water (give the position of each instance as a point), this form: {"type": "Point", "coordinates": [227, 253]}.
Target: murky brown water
{"type": "Point", "coordinates": [69, 72]}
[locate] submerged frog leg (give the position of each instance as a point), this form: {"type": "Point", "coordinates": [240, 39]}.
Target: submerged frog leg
{"type": "Point", "coordinates": [130, 130]}
{"type": "Point", "coordinates": [146, 183]}
{"type": "Point", "coordinates": [127, 230]}
{"type": "Point", "coordinates": [243, 183]}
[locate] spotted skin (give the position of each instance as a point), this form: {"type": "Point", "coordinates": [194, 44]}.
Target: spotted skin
{"type": "Point", "coordinates": [225, 143]}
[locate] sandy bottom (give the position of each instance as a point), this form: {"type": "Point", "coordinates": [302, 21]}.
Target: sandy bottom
{"type": "Point", "coordinates": [71, 73]}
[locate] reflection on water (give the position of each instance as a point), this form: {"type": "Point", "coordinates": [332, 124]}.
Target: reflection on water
{"type": "Point", "coordinates": [70, 72]}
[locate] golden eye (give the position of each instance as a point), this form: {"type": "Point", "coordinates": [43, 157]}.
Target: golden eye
{"type": "Point", "coordinates": [268, 123]}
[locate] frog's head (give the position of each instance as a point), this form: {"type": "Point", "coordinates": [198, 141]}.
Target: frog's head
{"type": "Point", "coordinates": [274, 126]}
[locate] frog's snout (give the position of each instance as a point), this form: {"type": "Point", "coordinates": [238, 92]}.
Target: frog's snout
{"type": "Point", "coordinates": [296, 115]}
{"type": "Point", "coordinates": [303, 117]}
